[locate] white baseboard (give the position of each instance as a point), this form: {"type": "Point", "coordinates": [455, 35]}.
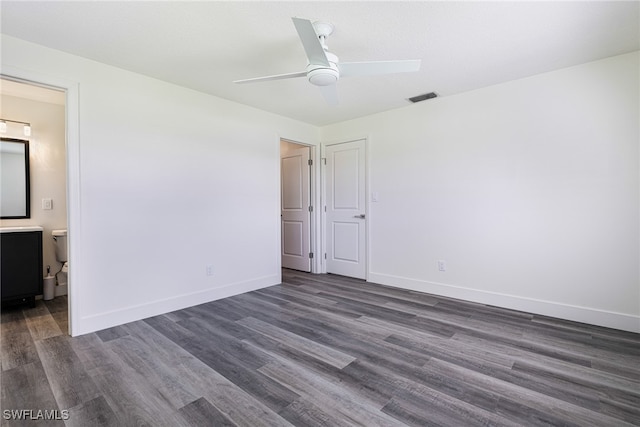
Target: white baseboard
{"type": "Point", "coordinates": [591, 316]}
{"type": "Point", "coordinates": [109, 319]}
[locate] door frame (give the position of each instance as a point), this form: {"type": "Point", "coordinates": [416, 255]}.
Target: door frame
{"type": "Point", "coordinates": [314, 200]}
{"type": "Point", "coordinates": [72, 130]}
{"type": "Point", "coordinates": [367, 201]}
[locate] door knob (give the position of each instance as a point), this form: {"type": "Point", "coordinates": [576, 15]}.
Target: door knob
{"type": "Point", "coordinates": [361, 216]}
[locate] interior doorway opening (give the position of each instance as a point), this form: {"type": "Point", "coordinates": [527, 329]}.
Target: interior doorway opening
{"type": "Point", "coordinates": [45, 108]}
{"type": "Point", "coordinates": [296, 206]}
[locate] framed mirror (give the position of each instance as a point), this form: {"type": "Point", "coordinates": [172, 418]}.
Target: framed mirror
{"type": "Point", "coordinates": [14, 179]}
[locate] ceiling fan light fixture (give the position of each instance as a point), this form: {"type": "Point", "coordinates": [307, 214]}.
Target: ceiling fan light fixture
{"type": "Point", "coordinates": [323, 76]}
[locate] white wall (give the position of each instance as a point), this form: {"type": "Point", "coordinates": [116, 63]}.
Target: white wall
{"type": "Point", "coordinates": [529, 190]}
{"type": "Point", "coordinates": [169, 180]}
{"type": "Point", "coordinates": [47, 164]}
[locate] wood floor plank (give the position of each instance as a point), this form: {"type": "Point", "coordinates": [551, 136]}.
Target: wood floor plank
{"type": "Point", "coordinates": [94, 413]}
{"type": "Point", "coordinates": [272, 394]}
{"type": "Point", "coordinates": [16, 343]}
{"type": "Point", "coordinates": [251, 305]}
{"type": "Point", "coordinates": [111, 333]}
{"type": "Point", "coordinates": [514, 350]}
{"type": "Point", "coordinates": [328, 395]}
{"type": "Point", "coordinates": [614, 366]}
{"type": "Point", "coordinates": [584, 350]}
{"type": "Point", "coordinates": [57, 305]}
{"type": "Point", "coordinates": [566, 377]}
{"type": "Point", "coordinates": [199, 378]}
{"type": "Point", "coordinates": [62, 319]}
{"type": "Point", "coordinates": [423, 406]}
{"type": "Point", "coordinates": [619, 410]}
{"type": "Point", "coordinates": [40, 322]}
{"type": "Point", "coordinates": [532, 400]}
{"type": "Point", "coordinates": [367, 309]}
{"type": "Point", "coordinates": [297, 294]}
{"type": "Point", "coordinates": [514, 339]}
{"type": "Point", "coordinates": [354, 344]}
{"type": "Point", "coordinates": [159, 375]}
{"type": "Point", "coordinates": [90, 350]}
{"type": "Point", "coordinates": [356, 287]}
{"type": "Point", "coordinates": [584, 327]}
{"type": "Point", "coordinates": [226, 344]}
{"type": "Point", "coordinates": [363, 294]}
{"type": "Point", "coordinates": [25, 387]}
{"type": "Point", "coordinates": [303, 412]}
{"type": "Point", "coordinates": [132, 397]}
{"type": "Point", "coordinates": [202, 413]}
{"type": "Point", "coordinates": [329, 319]}
{"type": "Point", "coordinates": [67, 376]}
{"type": "Point", "coordinates": [358, 376]}
{"type": "Point", "coordinates": [392, 328]}
{"type": "Point", "coordinates": [324, 305]}
{"type": "Point", "coordinates": [327, 354]}
{"type": "Point", "coordinates": [414, 376]}
{"type": "Point", "coordinates": [567, 391]}
{"type": "Point", "coordinates": [215, 308]}
{"type": "Point", "coordinates": [172, 330]}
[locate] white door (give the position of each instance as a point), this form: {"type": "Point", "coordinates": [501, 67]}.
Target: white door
{"type": "Point", "coordinates": [295, 222]}
{"type": "Point", "coordinates": [346, 220]}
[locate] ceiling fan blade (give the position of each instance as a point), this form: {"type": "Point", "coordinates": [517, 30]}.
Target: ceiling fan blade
{"type": "Point", "coordinates": [330, 94]}
{"type": "Point", "coordinates": [372, 68]}
{"type": "Point", "coordinates": [275, 77]}
{"type": "Point", "coordinates": [310, 42]}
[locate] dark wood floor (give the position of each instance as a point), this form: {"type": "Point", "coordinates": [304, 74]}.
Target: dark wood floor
{"type": "Point", "coordinates": [322, 350]}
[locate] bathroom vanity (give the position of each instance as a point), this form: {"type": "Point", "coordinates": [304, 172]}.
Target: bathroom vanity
{"type": "Point", "coordinates": [21, 269]}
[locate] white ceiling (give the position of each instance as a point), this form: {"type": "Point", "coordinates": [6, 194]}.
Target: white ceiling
{"type": "Point", "coordinates": [206, 45]}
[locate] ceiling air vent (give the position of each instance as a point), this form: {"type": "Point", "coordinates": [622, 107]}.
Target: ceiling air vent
{"type": "Point", "coordinates": [423, 97]}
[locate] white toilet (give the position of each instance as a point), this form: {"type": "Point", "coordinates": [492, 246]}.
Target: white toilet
{"type": "Point", "coordinates": [60, 242]}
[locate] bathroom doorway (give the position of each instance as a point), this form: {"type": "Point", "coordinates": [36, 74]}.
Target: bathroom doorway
{"type": "Point", "coordinates": [44, 108]}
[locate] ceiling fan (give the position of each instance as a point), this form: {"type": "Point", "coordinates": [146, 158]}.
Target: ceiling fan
{"type": "Point", "coordinates": [324, 69]}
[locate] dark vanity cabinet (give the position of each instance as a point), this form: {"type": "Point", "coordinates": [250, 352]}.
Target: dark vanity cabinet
{"type": "Point", "coordinates": [21, 269]}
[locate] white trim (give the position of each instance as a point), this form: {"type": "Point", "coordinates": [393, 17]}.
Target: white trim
{"type": "Point", "coordinates": [99, 321]}
{"type": "Point", "coordinates": [574, 313]}
{"type": "Point", "coordinates": [316, 224]}
{"type": "Point", "coordinates": [72, 128]}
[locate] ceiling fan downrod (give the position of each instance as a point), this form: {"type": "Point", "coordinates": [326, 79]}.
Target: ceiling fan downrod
{"type": "Point", "coordinates": [318, 74]}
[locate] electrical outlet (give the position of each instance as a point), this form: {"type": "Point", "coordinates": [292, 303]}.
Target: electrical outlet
{"type": "Point", "coordinates": [442, 265]}
{"type": "Point", "coordinates": [209, 270]}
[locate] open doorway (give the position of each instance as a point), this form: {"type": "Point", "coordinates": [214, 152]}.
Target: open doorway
{"type": "Point", "coordinates": [44, 109]}
{"type": "Point", "coordinates": [296, 206]}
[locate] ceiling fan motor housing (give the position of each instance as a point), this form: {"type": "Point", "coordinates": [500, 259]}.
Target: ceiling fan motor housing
{"type": "Point", "coordinates": [321, 75]}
